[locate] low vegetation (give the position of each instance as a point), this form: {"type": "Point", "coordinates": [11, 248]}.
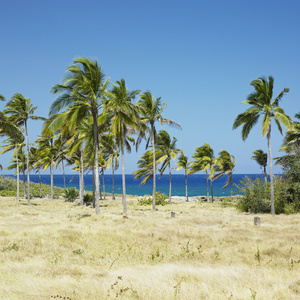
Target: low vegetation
{"type": "Point", "coordinates": [8, 188]}
{"type": "Point", "coordinates": [57, 249]}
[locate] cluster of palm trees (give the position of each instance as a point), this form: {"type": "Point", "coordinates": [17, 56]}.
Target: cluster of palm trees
{"type": "Point", "coordinates": [164, 150]}
{"type": "Point", "coordinates": [90, 125]}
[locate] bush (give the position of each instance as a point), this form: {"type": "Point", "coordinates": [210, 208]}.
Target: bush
{"type": "Point", "coordinates": [159, 200]}
{"type": "Point", "coordinates": [71, 194]}
{"type": "Point", "coordinates": [257, 194]}
{"type": "Point", "coordinates": [88, 198]}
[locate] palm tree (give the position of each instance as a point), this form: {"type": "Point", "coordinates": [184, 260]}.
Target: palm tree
{"type": "Point", "coordinates": [290, 144]}
{"type": "Point", "coordinates": [262, 104]}
{"type": "Point", "coordinates": [205, 160]}
{"type": "Point", "coordinates": [83, 89]}
{"type": "Point", "coordinates": [34, 164]}
{"type": "Point", "coordinates": [47, 152]}
{"type": "Point", "coordinates": [109, 148]}
{"type": "Point", "coordinates": [14, 141]}
{"type": "Point", "coordinates": [183, 163]}
{"type": "Point", "coordinates": [262, 159]}
{"type": "Point", "coordinates": [20, 110]}
{"type": "Point", "coordinates": [225, 163]}
{"type": "Point", "coordinates": [145, 167]}
{"type": "Point", "coordinates": [151, 111]}
{"type": "Point", "coordinates": [124, 114]}
{"type": "Point", "coordinates": [166, 149]}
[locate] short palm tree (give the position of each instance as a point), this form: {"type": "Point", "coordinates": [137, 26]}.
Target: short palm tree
{"type": "Point", "coordinates": [262, 159]}
{"type": "Point", "coordinates": [20, 110]}
{"type": "Point", "coordinates": [14, 141]}
{"type": "Point", "coordinates": [110, 149]}
{"type": "Point", "coordinates": [291, 143]}
{"type": "Point", "coordinates": [82, 91]}
{"type": "Point", "coordinates": [225, 164]}
{"type": "Point", "coordinates": [166, 151]}
{"type": "Point", "coordinates": [124, 114]}
{"type": "Point", "coordinates": [183, 163]}
{"type": "Point", "coordinates": [205, 161]}
{"type": "Point", "coordinates": [262, 104]}
{"type": "Point", "coordinates": [151, 112]}
{"type": "Point", "coordinates": [145, 167]}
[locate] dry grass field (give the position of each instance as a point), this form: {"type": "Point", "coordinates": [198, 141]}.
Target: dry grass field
{"type": "Point", "coordinates": [59, 250]}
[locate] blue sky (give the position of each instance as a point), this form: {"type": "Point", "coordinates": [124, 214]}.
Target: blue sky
{"type": "Point", "coordinates": [198, 56]}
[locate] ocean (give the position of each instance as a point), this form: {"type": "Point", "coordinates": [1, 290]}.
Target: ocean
{"type": "Point", "coordinates": [196, 184]}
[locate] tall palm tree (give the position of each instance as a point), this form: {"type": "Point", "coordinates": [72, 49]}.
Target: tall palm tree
{"type": "Point", "coordinates": [262, 159]}
{"type": "Point", "coordinates": [20, 110]}
{"type": "Point", "coordinates": [183, 163]}
{"type": "Point", "coordinates": [83, 89]}
{"type": "Point", "coordinates": [151, 112]}
{"type": "Point", "coordinates": [262, 104]}
{"type": "Point", "coordinates": [166, 148]}
{"type": "Point", "coordinates": [124, 114]}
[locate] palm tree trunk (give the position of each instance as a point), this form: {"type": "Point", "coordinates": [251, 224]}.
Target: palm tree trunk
{"type": "Point", "coordinates": [103, 183]}
{"type": "Point", "coordinates": [81, 176]}
{"type": "Point", "coordinates": [23, 170]}
{"type": "Point", "coordinates": [154, 169]}
{"type": "Point", "coordinates": [28, 179]}
{"type": "Point", "coordinates": [123, 176]}
{"type": "Point", "coordinates": [271, 172]}
{"type": "Point", "coordinates": [231, 185]}
{"type": "Point", "coordinates": [170, 184]}
{"type": "Point", "coordinates": [51, 171]}
{"type": "Point", "coordinates": [97, 183]}
{"type": "Point", "coordinates": [18, 179]}
{"type": "Point", "coordinates": [100, 190]}
{"type": "Point", "coordinates": [113, 179]}
{"type": "Point", "coordinates": [186, 187]}
{"type": "Point", "coordinates": [94, 202]}
{"type": "Point", "coordinates": [41, 191]}
{"type": "Point", "coordinates": [64, 175]}
{"type": "Point", "coordinates": [265, 173]}
{"type": "Point", "coordinates": [212, 192]}
{"type": "Point", "coordinates": [207, 186]}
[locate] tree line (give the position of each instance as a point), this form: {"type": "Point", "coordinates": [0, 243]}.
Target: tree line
{"type": "Point", "coordinates": [92, 122]}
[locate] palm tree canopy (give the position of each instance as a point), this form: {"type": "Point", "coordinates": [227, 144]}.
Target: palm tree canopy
{"type": "Point", "coordinates": [262, 104]}
{"type": "Point", "coordinates": [145, 167]}
{"type": "Point", "coordinates": [151, 111]}
{"type": "Point", "coordinates": [19, 109]}
{"type": "Point", "coordinates": [123, 112]}
{"type": "Point", "coordinates": [84, 84]}
{"type": "Point", "coordinates": [182, 162]}
{"type": "Point", "coordinates": [260, 157]}
{"type": "Point", "coordinates": [203, 156]}
{"type": "Point", "coordinates": [166, 149]}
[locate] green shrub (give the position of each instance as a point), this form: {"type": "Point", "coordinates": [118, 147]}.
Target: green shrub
{"type": "Point", "coordinates": [88, 198]}
{"type": "Point", "coordinates": [70, 194]}
{"type": "Point", "coordinates": [159, 200]}
{"type": "Point", "coordinates": [257, 196]}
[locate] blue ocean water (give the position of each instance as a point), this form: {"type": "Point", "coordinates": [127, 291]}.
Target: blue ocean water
{"type": "Point", "coordinates": [196, 184]}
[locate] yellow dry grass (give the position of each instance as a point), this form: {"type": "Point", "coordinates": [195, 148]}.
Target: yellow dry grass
{"type": "Point", "coordinates": [56, 249]}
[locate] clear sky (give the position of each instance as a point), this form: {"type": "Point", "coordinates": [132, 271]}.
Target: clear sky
{"type": "Point", "coordinates": [199, 56]}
